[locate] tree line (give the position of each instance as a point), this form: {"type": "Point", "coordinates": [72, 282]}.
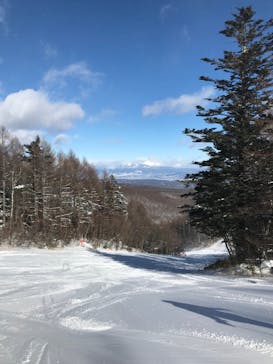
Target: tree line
{"type": "Point", "coordinates": [45, 197]}
{"type": "Point", "coordinates": [50, 199]}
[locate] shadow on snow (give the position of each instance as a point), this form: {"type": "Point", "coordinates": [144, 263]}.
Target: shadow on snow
{"type": "Point", "coordinates": [160, 263]}
{"type": "Point", "coordinates": [220, 315]}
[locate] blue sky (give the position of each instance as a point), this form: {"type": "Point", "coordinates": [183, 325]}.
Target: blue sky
{"type": "Point", "coordinates": [113, 80]}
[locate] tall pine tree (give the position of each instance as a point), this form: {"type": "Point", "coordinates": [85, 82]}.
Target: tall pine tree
{"type": "Point", "coordinates": [233, 191]}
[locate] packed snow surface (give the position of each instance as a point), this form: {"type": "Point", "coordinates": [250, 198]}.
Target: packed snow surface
{"type": "Point", "coordinates": [81, 306]}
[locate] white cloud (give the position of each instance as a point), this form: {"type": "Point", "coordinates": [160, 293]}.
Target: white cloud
{"type": "Point", "coordinates": [179, 105]}
{"type": "Point", "coordinates": [150, 162]}
{"type": "Point", "coordinates": [143, 162]}
{"type": "Point", "coordinates": [157, 162]}
{"type": "Point", "coordinates": [27, 136]}
{"type": "Point", "coordinates": [75, 71]}
{"type": "Point", "coordinates": [32, 110]}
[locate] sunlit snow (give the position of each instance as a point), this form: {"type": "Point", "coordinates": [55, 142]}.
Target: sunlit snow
{"type": "Point", "coordinates": [78, 305]}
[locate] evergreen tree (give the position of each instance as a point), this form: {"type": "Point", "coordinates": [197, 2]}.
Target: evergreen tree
{"type": "Point", "coordinates": [233, 191]}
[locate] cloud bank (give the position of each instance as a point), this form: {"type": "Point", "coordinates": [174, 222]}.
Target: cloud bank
{"type": "Point", "coordinates": [151, 162]}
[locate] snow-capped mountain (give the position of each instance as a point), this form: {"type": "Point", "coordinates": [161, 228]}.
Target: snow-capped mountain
{"type": "Point", "coordinates": [143, 174]}
{"type": "Point", "coordinates": [146, 172]}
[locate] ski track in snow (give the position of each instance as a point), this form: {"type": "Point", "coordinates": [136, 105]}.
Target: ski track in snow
{"type": "Point", "coordinates": [34, 352]}
{"type": "Point", "coordinates": [77, 305]}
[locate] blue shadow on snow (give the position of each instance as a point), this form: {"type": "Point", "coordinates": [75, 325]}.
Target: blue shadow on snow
{"type": "Point", "coordinates": [159, 263]}
{"type": "Point", "coordinates": [220, 315]}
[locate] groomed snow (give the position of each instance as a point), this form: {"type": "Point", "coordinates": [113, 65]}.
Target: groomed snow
{"type": "Point", "coordinates": [78, 305]}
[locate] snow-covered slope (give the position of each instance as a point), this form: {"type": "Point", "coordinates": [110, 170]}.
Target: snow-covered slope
{"type": "Point", "coordinates": [78, 305]}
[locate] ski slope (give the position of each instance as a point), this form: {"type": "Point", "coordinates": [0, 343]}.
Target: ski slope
{"type": "Point", "coordinates": [80, 306]}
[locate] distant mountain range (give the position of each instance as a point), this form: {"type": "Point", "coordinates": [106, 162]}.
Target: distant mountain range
{"type": "Point", "coordinates": [152, 182]}
{"type": "Point", "coordinates": [149, 175]}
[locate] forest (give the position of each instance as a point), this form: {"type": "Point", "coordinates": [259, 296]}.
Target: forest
{"type": "Point", "coordinates": [50, 199]}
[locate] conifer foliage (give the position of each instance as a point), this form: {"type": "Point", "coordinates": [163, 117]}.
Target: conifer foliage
{"type": "Point", "coordinates": [233, 191]}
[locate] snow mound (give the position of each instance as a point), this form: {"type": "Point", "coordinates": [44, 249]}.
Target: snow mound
{"type": "Point", "coordinates": [217, 248]}
{"type": "Point", "coordinates": [266, 268]}
{"type": "Point", "coordinates": [77, 324]}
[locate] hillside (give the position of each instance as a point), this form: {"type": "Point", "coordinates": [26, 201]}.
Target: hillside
{"type": "Point", "coordinates": [161, 203]}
